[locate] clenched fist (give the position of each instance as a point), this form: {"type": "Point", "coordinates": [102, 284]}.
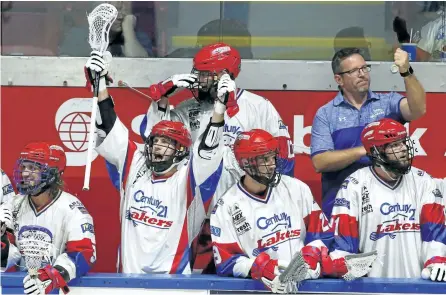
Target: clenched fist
{"type": "Point", "coordinates": [401, 58]}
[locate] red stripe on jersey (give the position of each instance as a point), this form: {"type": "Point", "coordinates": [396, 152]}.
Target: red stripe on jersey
{"type": "Point", "coordinates": [432, 213]}
{"type": "Point", "coordinates": [228, 250]}
{"type": "Point", "coordinates": [346, 225]}
{"type": "Point", "coordinates": [284, 147]}
{"type": "Point", "coordinates": [435, 259]}
{"type": "Point", "coordinates": [131, 149]}
{"type": "Point", "coordinates": [182, 245]}
{"type": "Point", "coordinates": [315, 222]}
{"type": "Point", "coordinates": [84, 246]}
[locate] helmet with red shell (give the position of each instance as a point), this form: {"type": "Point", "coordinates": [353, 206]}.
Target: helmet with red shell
{"type": "Point", "coordinates": [39, 165]}
{"type": "Point", "coordinates": [252, 146]}
{"type": "Point", "coordinates": [216, 58]}
{"type": "Point", "coordinates": [180, 137]}
{"type": "Point", "coordinates": [376, 137]}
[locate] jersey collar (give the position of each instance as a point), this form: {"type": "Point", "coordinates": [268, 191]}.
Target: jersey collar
{"type": "Point", "coordinates": [255, 197]}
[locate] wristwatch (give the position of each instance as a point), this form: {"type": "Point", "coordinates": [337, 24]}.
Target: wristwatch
{"type": "Point", "coordinates": [408, 73]}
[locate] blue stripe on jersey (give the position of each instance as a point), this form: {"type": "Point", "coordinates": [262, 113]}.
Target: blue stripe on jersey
{"type": "Point", "coordinates": [113, 174]}
{"type": "Point", "coordinates": [226, 268]}
{"type": "Point", "coordinates": [287, 167]}
{"type": "Point", "coordinates": [184, 261]}
{"type": "Point", "coordinates": [208, 187]}
{"type": "Point", "coordinates": [433, 232]}
{"type": "Point", "coordinates": [82, 266]}
{"type": "Point", "coordinates": [346, 243]}
{"type": "Point", "coordinates": [326, 237]}
{"type": "Point", "coordinates": [142, 128]}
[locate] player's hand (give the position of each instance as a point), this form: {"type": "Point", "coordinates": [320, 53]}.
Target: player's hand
{"type": "Point", "coordinates": [401, 59]}
{"type": "Point", "coordinates": [226, 90]}
{"type": "Point", "coordinates": [6, 217]}
{"type": "Point", "coordinates": [435, 272]}
{"type": "Point", "coordinates": [167, 87]}
{"type": "Point", "coordinates": [312, 256]}
{"type": "Point", "coordinates": [98, 64]}
{"type": "Point", "coordinates": [47, 280]}
{"type": "Point", "coordinates": [268, 270]}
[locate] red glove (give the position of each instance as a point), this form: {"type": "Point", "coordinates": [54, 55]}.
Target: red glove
{"type": "Point", "coordinates": [334, 268]}
{"type": "Point", "coordinates": [267, 271]}
{"type": "Point", "coordinates": [163, 89]}
{"type": "Point", "coordinates": [48, 279]}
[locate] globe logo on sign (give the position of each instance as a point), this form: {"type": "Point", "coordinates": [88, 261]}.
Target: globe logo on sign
{"type": "Point", "coordinates": [73, 131]}
{"type": "Point", "coordinates": [72, 122]}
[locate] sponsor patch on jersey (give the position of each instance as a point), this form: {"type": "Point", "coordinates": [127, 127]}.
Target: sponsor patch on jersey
{"type": "Point", "coordinates": [272, 240]}
{"type": "Point", "coordinates": [7, 189]}
{"type": "Point", "coordinates": [271, 223]}
{"type": "Point", "coordinates": [420, 172]}
{"type": "Point", "coordinates": [237, 215]}
{"type": "Point", "coordinates": [403, 210]}
{"type": "Point", "coordinates": [365, 195]}
{"type": "Point", "coordinates": [194, 122]}
{"type": "Point", "coordinates": [87, 227]}
{"type": "Point", "coordinates": [154, 205]}
{"type": "Point", "coordinates": [219, 203]}
{"type": "Point", "coordinates": [341, 202]}
{"type": "Point", "coordinates": [79, 206]}
{"type": "Point", "coordinates": [437, 193]}
{"type": "Point", "coordinates": [215, 231]}
{"type": "Point", "coordinates": [243, 228]}
{"type": "Point", "coordinates": [282, 125]}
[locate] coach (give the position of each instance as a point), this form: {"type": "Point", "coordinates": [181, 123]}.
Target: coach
{"type": "Point", "coordinates": [336, 149]}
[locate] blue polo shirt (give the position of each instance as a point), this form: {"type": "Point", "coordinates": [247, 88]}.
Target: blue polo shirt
{"type": "Point", "coordinates": [338, 126]}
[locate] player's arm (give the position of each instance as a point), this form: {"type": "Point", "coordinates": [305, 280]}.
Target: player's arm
{"type": "Point", "coordinates": [10, 255]}
{"type": "Point", "coordinates": [344, 222]}
{"type": "Point", "coordinates": [323, 155]}
{"type": "Point", "coordinates": [273, 124]}
{"type": "Point", "coordinates": [75, 262]}
{"type": "Point", "coordinates": [7, 189]}
{"type": "Point", "coordinates": [319, 235]}
{"type": "Point", "coordinates": [433, 231]}
{"type": "Point", "coordinates": [113, 137]}
{"type": "Point", "coordinates": [159, 109]}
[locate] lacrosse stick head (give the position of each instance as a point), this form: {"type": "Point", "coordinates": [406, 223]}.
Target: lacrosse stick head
{"type": "Point", "coordinates": [35, 245]}
{"type": "Point", "coordinates": [295, 273]}
{"type": "Point", "coordinates": [100, 21]}
{"type": "Point", "coordinates": [358, 265]}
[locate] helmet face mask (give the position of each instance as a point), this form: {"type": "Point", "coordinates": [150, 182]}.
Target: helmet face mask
{"type": "Point", "coordinates": [263, 168]}
{"type": "Point", "coordinates": [38, 168]}
{"type": "Point", "coordinates": [395, 157]}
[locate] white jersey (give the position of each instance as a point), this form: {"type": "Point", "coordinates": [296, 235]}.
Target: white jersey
{"type": "Point", "coordinates": [404, 222]}
{"type": "Point", "coordinates": [65, 223]}
{"type": "Point", "coordinates": [254, 112]}
{"type": "Point", "coordinates": [7, 189]}
{"type": "Point", "coordinates": [159, 216]}
{"type": "Point", "coordinates": [433, 39]}
{"type": "Point", "coordinates": [244, 225]}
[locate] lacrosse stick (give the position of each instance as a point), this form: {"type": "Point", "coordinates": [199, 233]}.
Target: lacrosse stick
{"type": "Point", "coordinates": [124, 84]}
{"type": "Point", "coordinates": [358, 265]}
{"type": "Point", "coordinates": [295, 273]}
{"type": "Point", "coordinates": [100, 21]}
{"type": "Point", "coordinates": [36, 247]}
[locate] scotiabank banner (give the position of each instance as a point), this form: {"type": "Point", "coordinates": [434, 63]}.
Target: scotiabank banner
{"type": "Point", "coordinates": [60, 115]}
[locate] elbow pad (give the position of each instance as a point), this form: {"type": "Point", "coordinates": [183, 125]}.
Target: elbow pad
{"type": "Point", "coordinates": [210, 139]}
{"type": "Point", "coordinates": [107, 115]}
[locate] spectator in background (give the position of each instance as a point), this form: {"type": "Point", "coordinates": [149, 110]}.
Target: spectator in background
{"type": "Point", "coordinates": [433, 38]}
{"type": "Point", "coordinates": [125, 40]}
{"type": "Point", "coordinates": [352, 37]}
{"type": "Point", "coordinates": [233, 33]}
{"type": "Point", "coordinates": [336, 148]}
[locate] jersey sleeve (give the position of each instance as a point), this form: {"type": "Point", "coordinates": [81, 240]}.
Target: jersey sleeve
{"type": "Point", "coordinates": [118, 150]}
{"type": "Point", "coordinates": [321, 140]}
{"type": "Point", "coordinates": [155, 115]}
{"type": "Point", "coordinates": [7, 189]}
{"type": "Point", "coordinates": [318, 230]}
{"type": "Point", "coordinates": [229, 258]}
{"type": "Point", "coordinates": [80, 249]}
{"type": "Point", "coordinates": [205, 173]}
{"type": "Point", "coordinates": [344, 219]}
{"type": "Point", "coordinates": [274, 124]}
{"type": "Point", "coordinates": [432, 224]}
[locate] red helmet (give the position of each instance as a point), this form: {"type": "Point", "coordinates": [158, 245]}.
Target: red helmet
{"type": "Point", "coordinates": [51, 160]}
{"type": "Point", "coordinates": [251, 145]}
{"type": "Point", "coordinates": [175, 131]}
{"type": "Point", "coordinates": [382, 132]}
{"type": "Point", "coordinates": [218, 57]}
{"type": "Point", "coordinates": [375, 138]}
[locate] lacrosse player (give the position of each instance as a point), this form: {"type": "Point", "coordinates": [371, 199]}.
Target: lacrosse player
{"type": "Point", "coordinates": [6, 186]}
{"type": "Point", "coordinates": [390, 207]}
{"type": "Point", "coordinates": [46, 218]}
{"type": "Point", "coordinates": [264, 219]}
{"type": "Point", "coordinates": [165, 194]}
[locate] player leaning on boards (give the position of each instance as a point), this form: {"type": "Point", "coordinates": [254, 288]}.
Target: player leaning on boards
{"type": "Point", "coordinates": [42, 211]}
{"type": "Point", "coordinates": [262, 221]}
{"type": "Point", "coordinates": [393, 208]}
{"type": "Point", "coordinates": [165, 195]}
{"type": "Point", "coordinates": [336, 149]}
